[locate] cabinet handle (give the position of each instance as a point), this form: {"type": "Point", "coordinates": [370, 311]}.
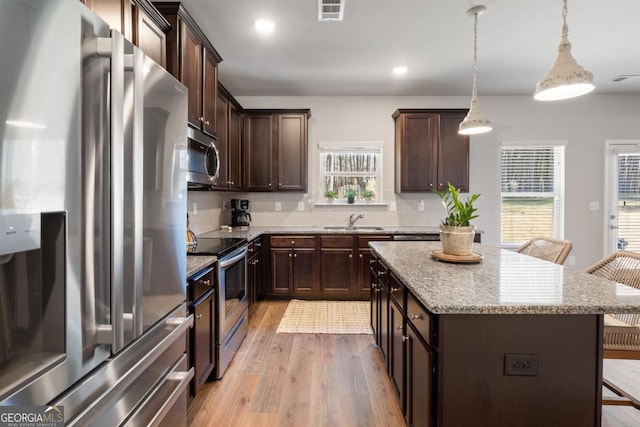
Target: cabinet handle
{"type": "Point", "coordinates": [372, 261]}
{"type": "Point", "coordinates": [399, 327]}
{"type": "Point", "coordinates": [207, 282]}
{"type": "Point", "coordinates": [373, 285]}
{"type": "Point", "coordinates": [382, 272]}
{"type": "Point", "coordinates": [394, 289]}
{"type": "Point", "coordinates": [415, 316]}
{"type": "Point", "coordinates": [293, 242]}
{"type": "Point", "coordinates": [207, 123]}
{"type": "Point", "coordinates": [257, 261]}
{"type": "Point", "coordinates": [201, 118]}
{"type": "Point", "coordinates": [377, 289]}
{"type": "Point", "coordinates": [250, 250]}
{"type": "Point", "coordinates": [350, 255]}
{"type": "Point", "coordinates": [295, 255]}
{"type": "Point", "coordinates": [269, 185]}
{"type": "Point", "coordinates": [258, 245]}
{"type": "Point", "coordinates": [405, 338]}
{"type": "Point", "coordinates": [360, 256]}
{"type": "Point", "coordinates": [279, 184]}
{"type": "Point", "coordinates": [198, 316]}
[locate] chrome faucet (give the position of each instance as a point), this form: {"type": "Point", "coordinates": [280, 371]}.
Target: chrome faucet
{"type": "Point", "coordinates": [352, 221]}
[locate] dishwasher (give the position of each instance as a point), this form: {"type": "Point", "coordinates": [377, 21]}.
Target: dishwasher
{"type": "Point", "coordinates": [417, 237]}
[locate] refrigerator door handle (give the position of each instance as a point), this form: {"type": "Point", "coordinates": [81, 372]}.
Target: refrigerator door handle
{"type": "Point", "coordinates": [138, 188]}
{"type": "Point", "coordinates": [117, 190]}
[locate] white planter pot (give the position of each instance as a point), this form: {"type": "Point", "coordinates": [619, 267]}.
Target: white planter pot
{"type": "Point", "coordinates": [457, 240]}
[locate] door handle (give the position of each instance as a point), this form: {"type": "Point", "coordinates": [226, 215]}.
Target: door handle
{"type": "Point", "coordinates": [613, 227]}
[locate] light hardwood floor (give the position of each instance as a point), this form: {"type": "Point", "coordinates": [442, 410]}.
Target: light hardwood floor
{"type": "Point", "coordinates": [311, 380]}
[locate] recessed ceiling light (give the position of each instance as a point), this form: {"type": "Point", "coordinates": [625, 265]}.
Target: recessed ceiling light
{"type": "Point", "coordinates": [400, 70]}
{"type": "Point", "coordinates": [264, 25]}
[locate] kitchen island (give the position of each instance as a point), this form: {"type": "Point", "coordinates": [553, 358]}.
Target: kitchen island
{"type": "Point", "coordinates": [511, 340]}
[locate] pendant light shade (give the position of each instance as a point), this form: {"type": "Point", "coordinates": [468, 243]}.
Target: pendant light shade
{"type": "Point", "coordinates": [566, 78]}
{"type": "Point", "coordinates": [475, 123]}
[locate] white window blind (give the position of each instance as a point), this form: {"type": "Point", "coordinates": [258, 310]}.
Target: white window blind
{"type": "Point", "coordinates": [532, 190]}
{"type": "Point", "coordinates": [628, 202]}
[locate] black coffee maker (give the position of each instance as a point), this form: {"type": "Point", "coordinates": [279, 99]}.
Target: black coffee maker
{"type": "Point", "coordinates": [240, 216]}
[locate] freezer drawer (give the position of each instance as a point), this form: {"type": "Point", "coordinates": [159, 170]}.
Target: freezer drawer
{"type": "Point", "coordinates": [150, 373]}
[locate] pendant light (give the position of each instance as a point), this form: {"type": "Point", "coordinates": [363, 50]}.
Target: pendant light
{"type": "Point", "coordinates": [475, 122]}
{"type": "Point", "coordinates": [566, 79]}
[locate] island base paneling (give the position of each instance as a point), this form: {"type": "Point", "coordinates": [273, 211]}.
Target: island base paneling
{"type": "Point", "coordinates": [471, 369]}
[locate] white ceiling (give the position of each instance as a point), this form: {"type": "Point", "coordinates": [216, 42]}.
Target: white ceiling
{"type": "Point", "coordinates": [517, 43]}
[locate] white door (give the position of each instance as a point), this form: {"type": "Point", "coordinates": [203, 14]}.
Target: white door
{"type": "Point", "coordinates": [623, 196]}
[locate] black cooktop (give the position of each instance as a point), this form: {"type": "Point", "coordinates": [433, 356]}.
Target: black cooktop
{"type": "Point", "coordinates": [216, 246]}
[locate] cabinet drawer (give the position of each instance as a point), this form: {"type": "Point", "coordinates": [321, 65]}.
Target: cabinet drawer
{"type": "Point", "coordinates": [363, 241]}
{"type": "Point", "coordinates": [201, 283]}
{"type": "Point", "coordinates": [420, 318]}
{"type": "Point", "coordinates": [336, 241]}
{"type": "Point", "coordinates": [293, 242]}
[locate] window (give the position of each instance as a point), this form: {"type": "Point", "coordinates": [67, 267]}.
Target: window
{"type": "Point", "coordinates": [532, 192]}
{"type": "Point", "coordinates": [344, 168]}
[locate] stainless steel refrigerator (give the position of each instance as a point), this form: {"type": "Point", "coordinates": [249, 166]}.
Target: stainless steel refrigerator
{"type": "Point", "coordinates": [93, 316]}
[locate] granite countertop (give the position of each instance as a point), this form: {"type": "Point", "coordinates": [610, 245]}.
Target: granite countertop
{"type": "Point", "coordinates": [504, 282]}
{"type": "Point", "coordinates": [195, 263]}
{"type": "Point", "coordinates": [252, 232]}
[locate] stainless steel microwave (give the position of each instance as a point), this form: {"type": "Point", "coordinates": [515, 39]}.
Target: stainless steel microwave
{"type": "Point", "coordinates": [204, 164]}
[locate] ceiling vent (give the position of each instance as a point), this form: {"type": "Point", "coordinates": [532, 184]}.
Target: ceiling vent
{"type": "Point", "coordinates": [624, 77]}
{"type": "Point", "coordinates": [330, 10]}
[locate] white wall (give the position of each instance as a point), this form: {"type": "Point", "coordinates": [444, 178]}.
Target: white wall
{"type": "Point", "coordinates": [584, 122]}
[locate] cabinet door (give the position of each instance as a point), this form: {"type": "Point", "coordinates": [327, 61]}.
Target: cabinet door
{"type": "Point", "coordinates": [222, 143]}
{"type": "Point", "coordinates": [383, 345]}
{"type": "Point", "coordinates": [304, 271]}
{"type": "Point", "coordinates": [292, 152]}
{"type": "Point", "coordinates": [257, 140]}
{"type": "Point", "coordinates": [191, 74]}
{"type": "Point", "coordinates": [374, 304]}
{"type": "Point", "coordinates": [210, 109]}
{"type": "Point", "coordinates": [364, 273]}
{"type": "Point", "coordinates": [336, 271]}
{"type": "Point", "coordinates": [281, 262]}
{"type": "Point", "coordinates": [202, 340]}
{"type": "Point", "coordinates": [117, 13]}
{"type": "Point", "coordinates": [396, 351]}
{"type": "Point", "coordinates": [453, 149]}
{"type": "Point", "coordinates": [420, 363]}
{"type": "Point", "coordinates": [416, 152]}
{"type": "Point", "coordinates": [235, 142]}
{"type": "Point", "coordinates": [149, 37]}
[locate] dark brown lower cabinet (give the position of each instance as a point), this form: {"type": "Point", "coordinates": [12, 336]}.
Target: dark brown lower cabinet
{"type": "Point", "coordinates": [337, 266]}
{"type": "Point", "coordinates": [293, 266]}
{"type": "Point", "coordinates": [384, 316]}
{"type": "Point", "coordinates": [202, 340]}
{"type": "Point", "coordinates": [419, 380]}
{"type": "Point", "coordinates": [396, 350]}
{"type": "Point", "coordinates": [254, 269]}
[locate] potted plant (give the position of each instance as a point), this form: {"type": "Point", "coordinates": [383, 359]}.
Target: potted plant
{"type": "Point", "coordinates": [330, 195]}
{"type": "Point", "coordinates": [368, 195]}
{"type": "Point", "coordinates": [351, 194]}
{"type": "Point", "coordinates": [456, 231]}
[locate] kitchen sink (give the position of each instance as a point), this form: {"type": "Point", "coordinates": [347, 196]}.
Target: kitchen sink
{"type": "Point", "coordinates": [342, 227]}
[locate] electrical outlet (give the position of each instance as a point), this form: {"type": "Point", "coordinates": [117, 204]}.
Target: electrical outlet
{"type": "Point", "coordinates": [421, 205]}
{"type": "Point", "coordinates": [521, 364]}
{"type": "Point", "coordinates": [195, 209]}
{"type": "Point", "coordinates": [571, 260]}
{"type": "Point", "coordinates": [392, 206]}
{"type": "Point", "coordinates": [300, 206]}
{"type": "Point", "coordinates": [594, 206]}
{"type": "Point", "coordinates": [278, 206]}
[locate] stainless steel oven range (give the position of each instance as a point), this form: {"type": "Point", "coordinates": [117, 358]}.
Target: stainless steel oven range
{"type": "Point", "coordinates": [231, 293]}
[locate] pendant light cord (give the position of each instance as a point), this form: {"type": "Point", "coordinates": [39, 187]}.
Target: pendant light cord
{"type": "Point", "coordinates": [474, 92]}
{"type": "Point", "coordinates": [565, 27]}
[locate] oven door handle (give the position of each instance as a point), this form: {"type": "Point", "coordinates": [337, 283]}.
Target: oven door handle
{"type": "Point", "coordinates": [234, 257]}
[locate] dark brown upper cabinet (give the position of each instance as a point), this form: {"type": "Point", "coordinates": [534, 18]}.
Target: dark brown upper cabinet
{"type": "Point", "coordinates": [192, 59]}
{"type": "Point", "coordinates": [429, 152]}
{"type": "Point", "coordinates": [229, 132]}
{"type": "Point", "coordinates": [275, 150]}
{"type": "Point", "coordinates": [139, 21]}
